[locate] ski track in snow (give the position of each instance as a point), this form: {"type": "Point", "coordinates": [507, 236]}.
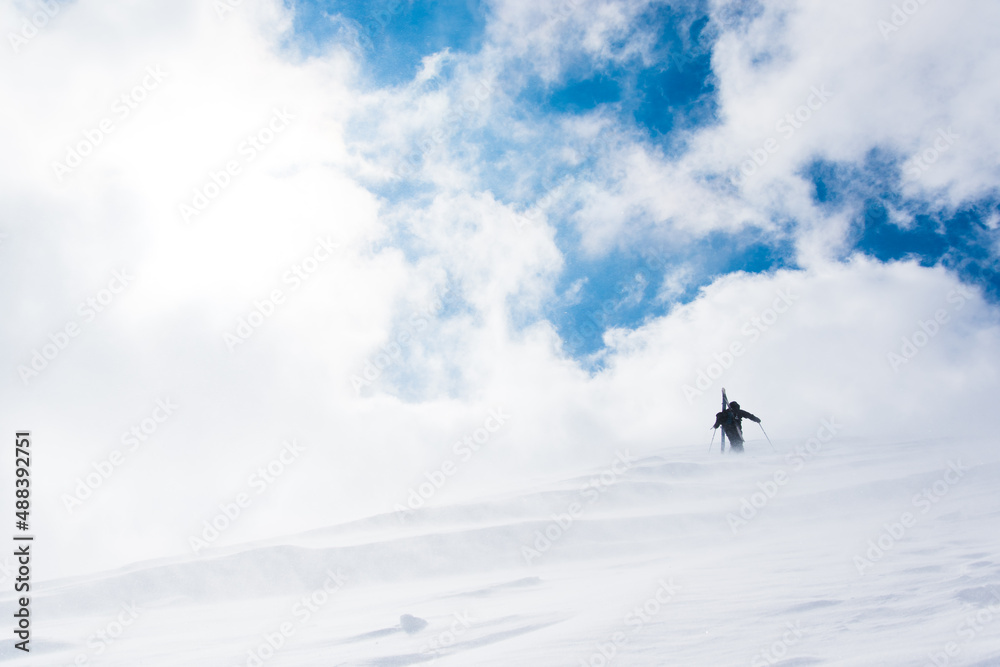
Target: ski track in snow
{"type": "Point", "coordinates": [650, 572]}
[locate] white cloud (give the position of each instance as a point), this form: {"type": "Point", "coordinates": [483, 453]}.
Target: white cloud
{"type": "Point", "coordinates": [853, 91]}
{"type": "Point", "coordinates": [163, 336]}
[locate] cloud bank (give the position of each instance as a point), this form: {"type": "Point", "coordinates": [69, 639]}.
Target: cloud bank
{"type": "Point", "coordinates": [318, 224]}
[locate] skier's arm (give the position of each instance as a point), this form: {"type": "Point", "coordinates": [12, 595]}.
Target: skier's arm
{"type": "Point", "coordinates": [718, 420]}
{"type": "Point", "coordinates": [753, 418]}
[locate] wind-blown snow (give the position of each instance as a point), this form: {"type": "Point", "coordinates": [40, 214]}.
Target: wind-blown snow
{"type": "Point", "coordinates": [854, 553]}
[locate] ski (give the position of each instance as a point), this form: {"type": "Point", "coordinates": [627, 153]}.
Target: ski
{"type": "Point", "coordinates": [725, 406]}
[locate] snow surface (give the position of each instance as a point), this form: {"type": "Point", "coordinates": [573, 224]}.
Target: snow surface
{"type": "Point", "coordinates": [787, 588]}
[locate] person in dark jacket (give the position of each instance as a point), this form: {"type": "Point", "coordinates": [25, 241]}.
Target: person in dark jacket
{"type": "Point", "coordinates": [731, 421]}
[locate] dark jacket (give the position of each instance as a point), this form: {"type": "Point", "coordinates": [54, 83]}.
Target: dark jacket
{"type": "Point", "coordinates": [731, 421]}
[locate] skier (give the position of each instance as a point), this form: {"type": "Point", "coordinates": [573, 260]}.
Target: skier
{"type": "Point", "coordinates": [731, 421]}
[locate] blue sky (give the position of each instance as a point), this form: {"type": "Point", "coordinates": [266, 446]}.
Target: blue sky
{"type": "Point", "coordinates": [656, 96]}
{"type": "Point", "coordinates": [652, 83]}
{"type": "Point", "coordinates": [392, 36]}
{"type": "Point", "coordinates": [958, 238]}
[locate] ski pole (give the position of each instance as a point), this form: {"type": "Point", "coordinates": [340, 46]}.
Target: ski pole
{"type": "Point", "coordinates": [765, 435]}
{"type": "Point", "coordinates": [711, 441]}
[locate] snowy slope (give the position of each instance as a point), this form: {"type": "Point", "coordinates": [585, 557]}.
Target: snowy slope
{"type": "Point", "coordinates": [859, 553]}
